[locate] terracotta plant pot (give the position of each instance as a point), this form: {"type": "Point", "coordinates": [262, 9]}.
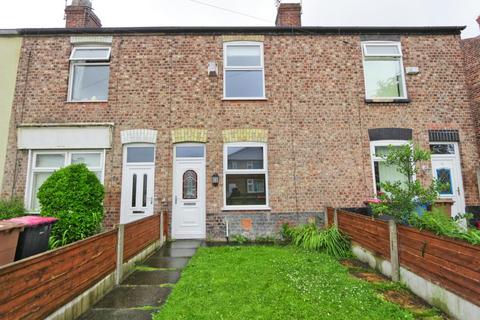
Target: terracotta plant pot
{"type": "Point", "coordinates": [9, 232]}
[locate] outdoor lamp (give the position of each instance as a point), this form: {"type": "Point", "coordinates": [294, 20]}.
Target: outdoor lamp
{"type": "Point", "coordinates": [215, 179]}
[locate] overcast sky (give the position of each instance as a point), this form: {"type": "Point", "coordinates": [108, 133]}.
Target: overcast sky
{"type": "Point", "coordinates": [121, 13]}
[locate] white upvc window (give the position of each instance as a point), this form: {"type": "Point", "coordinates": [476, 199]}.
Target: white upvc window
{"type": "Point", "coordinates": [381, 171]}
{"type": "Point", "coordinates": [43, 163]}
{"type": "Point", "coordinates": [243, 72]}
{"type": "Point", "coordinates": [89, 74]}
{"type": "Point", "coordinates": [245, 176]}
{"type": "Point", "coordinates": [383, 70]}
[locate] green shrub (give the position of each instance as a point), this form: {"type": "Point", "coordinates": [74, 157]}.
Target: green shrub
{"type": "Point", "coordinates": [310, 237]}
{"type": "Point", "coordinates": [11, 208]}
{"type": "Point", "coordinates": [400, 199]}
{"type": "Point", "coordinates": [74, 195]}
{"type": "Point", "coordinates": [437, 222]}
{"type": "Point", "coordinates": [240, 238]}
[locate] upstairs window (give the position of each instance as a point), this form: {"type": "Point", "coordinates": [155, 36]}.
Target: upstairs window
{"type": "Point", "coordinates": [245, 166]}
{"type": "Point", "coordinates": [89, 74]}
{"type": "Point", "coordinates": [383, 70]}
{"type": "Point", "coordinates": [244, 76]}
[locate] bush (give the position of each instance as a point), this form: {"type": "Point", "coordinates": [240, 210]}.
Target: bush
{"type": "Point", "coordinates": [74, 195]}
{"type": "Point", "coordinates": [310, 237]}
{"type": "Point", "coordinates": [437, 222]}
{"type": "Point", "coordinates": [11, 208]}
{"type": "Point", "coordinates": [400, 199]}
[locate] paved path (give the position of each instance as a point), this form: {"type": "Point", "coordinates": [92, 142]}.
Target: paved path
{"type": "Point", "coordinates": [144, 291]}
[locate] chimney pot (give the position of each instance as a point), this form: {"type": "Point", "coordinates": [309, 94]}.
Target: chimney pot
{"type": "Point", "coordinates": [80, 15]}
{"type": "Point", "coordinates": [478, 21]}
{"type": "Point", "coordinates": [289, 15]}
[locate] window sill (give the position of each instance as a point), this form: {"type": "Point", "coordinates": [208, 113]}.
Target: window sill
{"type": "Point", "coordinates": [244, 99]}
{"type": "Point", "coordinates": [387, 100]}
{"type": "Point", "coordinates": [86, 101]}
{"type": "Point", "coordinates": [246, 208]}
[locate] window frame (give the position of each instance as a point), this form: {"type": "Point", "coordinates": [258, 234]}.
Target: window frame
{"type": "Point", "coordinates": [366, 55]}
{"type": "Point", "coordinates": [86, 62]}
{"type": "Point", "coordinates": [80, 48]}
{"type": "Point", "coordinates": [32, 169]}
{"type": "Point", "coordinates": [226, 68]}
{"type": "Point", "coordinates": [374, 158]}
{"type": "Point", "coordinates": [227, 171]}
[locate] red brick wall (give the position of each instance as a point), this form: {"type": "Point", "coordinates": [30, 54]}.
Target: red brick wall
{"type": "Point", "coordinates": [471, 49]}
{"type": "Point", "coordinates": [315, 114]}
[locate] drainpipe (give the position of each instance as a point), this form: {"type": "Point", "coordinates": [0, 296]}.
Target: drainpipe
{"type": "Point", "coordinates": [226, 230]}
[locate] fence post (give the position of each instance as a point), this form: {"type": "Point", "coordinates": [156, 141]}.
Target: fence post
{"type": "Point", "coordinates": [120, 242]}
{"type": "Point", "coordinates": [161, 229]}
{"type": "Point", "coordinates": [392, 226]}
{"type": "Point", "coordinates": [326, 216]}
{"type": "Point", "coordinates": [335, 218]}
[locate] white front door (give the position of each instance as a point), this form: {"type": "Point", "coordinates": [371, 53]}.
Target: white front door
{"type": "Point", "coordinates": [446, 169]}
{"type": "Point", "coordinates": [188, 214]}
{"type": "Point", "coordinates": [137, 183]}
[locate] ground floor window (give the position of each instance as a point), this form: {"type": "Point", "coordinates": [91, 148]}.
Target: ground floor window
{"type": "Point", "coordinates": [44, 163]}
{"type": "Point", "coordinates": [381, 171]}
{"type": "Point", "coordinates": [245, 171]}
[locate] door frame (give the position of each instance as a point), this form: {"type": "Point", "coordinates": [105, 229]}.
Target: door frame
{"type": "Point", "coordinates": [203, 161]}
{"type": "Point", "coordinates": [133, 165]}
{"type": "Point", "coordinates": [458, 164]}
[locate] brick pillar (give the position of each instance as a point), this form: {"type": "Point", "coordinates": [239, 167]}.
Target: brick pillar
{"type": "Point", "coordinates": [80, 15]}
{"type": "Point", "coordinates": [289, 15]}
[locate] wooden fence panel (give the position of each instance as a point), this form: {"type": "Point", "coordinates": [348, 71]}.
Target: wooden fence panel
{"type": "Point", "coordinates": [140, 234]}
{"type": "Point", "coordinates": [330, 216]}
{"type": "Point", "coordinates": [454, 265]}
{"type": "Point", "coordinates": [33, 288]}
{"type": "Point", "coordinates": [373, 235]}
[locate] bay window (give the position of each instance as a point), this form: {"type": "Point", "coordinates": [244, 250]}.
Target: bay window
{"type": "Point", "coordinates": [383, 71]}
{"type": "Point", "coordinates": [44, 163]}
{"type": "Point", "coordinates": [245, 176]}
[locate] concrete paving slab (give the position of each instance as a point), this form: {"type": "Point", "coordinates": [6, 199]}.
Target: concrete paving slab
{"type": "Point", "coordinates": [173, 252]}
{"type": "Point", "coordinates": [152, 277]}
{"type": "Point", "coordinates": [184, 244]}
{"type": "Point", "coordinates": [166, 262]}
{"type": "Point", "coordinates": [117, 314]}
{"type": "Point", "coordinates": [123, 297]}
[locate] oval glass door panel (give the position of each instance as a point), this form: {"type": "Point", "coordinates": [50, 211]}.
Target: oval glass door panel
{"type": "Point", "coordinates": [190, 185]}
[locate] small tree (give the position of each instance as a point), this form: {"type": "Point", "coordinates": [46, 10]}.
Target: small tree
{"type": "Point", "coordinates": [74, 195]}
{"type": "Point", "coordinates": [400, 199]}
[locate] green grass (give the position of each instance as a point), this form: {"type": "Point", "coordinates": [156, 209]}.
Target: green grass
{"type": "Point", "coordinates": [272, 282]}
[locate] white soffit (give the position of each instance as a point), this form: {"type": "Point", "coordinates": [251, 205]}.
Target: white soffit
{"type": "Point", "coordinates": [139, 136]}
{"type": "Point", "coordinates": [64, 137]}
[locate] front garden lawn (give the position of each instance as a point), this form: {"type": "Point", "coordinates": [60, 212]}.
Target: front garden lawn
{"type": "Point", "coordinates": [272, 282]}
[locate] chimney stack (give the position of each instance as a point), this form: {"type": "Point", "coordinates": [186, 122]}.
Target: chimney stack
{"type": "Point", "coordinates": [80, 15]}
{"type": "Point", "coordinates": [289, 14]}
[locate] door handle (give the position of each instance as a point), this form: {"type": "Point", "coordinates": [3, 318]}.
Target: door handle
{"type": "Point", "coordinates": [175, 199]}
{"type": "Point", "coordinates": [458, 190]}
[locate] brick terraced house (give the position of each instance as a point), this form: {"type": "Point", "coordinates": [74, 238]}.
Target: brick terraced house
{"type": "Point", "coordinates": [248, 127]}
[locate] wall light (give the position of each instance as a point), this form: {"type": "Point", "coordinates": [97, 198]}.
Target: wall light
{"type": "Point", "coordinates": [215, 179]}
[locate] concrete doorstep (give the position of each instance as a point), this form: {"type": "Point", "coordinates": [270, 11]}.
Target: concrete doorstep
{"type": "Point", "coordinates": [143, 292]}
